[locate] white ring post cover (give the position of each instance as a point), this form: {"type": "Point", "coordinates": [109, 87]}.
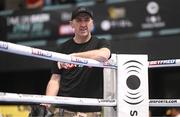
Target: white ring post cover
{"type": "Point", "coordinates": [110, 80]}
{"type": "Point", "coordinates": [132, 86]}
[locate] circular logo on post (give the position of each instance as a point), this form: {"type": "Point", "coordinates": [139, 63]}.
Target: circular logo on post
{"type": "Point", "coordinates": [133, 94]}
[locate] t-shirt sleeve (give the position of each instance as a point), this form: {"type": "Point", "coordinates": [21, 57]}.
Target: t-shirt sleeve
{"type": "Point", "coordinates": [54, 68]}
{"type": "Point", "coordinates": [103, 43]}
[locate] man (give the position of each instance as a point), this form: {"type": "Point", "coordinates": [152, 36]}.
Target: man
{"type": "Point", "coordinates": [71, 80]}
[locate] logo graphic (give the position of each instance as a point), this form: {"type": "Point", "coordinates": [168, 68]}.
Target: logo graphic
{"type": "Point", "coordinates": [79, 60]}
{"type": "Point", "coordinates": [3, 45]}
{"type": "Point", "coordinates": [152, 7]}
{"type": "Point", "coordinates": [65, 29]}
{"type": "Point", "coordinates": [154, 19]}
{"type": "Point", "coordinates": [116, 12]}
{"type": "Point", "coordinates": [133, 95]}
{"type": "Point", "coordinates": [41, 52]}
{"type": "Point", "coordinates": [163, 62]}
{"type": "Point", "coordinates": [106, 25]}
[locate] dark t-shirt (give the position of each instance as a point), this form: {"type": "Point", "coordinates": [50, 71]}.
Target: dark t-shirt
{"type": "Point", "coordinates": [81, 81]}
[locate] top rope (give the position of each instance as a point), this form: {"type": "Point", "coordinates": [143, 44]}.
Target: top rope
{"type": "Point", "coordinates": [50, 55]}
{"type": "Point", "coordinates": [54, 56]}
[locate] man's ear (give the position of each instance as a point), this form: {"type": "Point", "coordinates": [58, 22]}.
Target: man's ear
{"type": "Point", "coordinates": [71, 23]}
{"type": "Point", "coordinates": [93, 26]}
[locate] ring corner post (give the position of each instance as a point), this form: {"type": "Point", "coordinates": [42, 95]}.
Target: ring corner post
{"type": "Point", "coordinates": [110, 77]}
{"type": "Point", "coordinates": [132, 86]}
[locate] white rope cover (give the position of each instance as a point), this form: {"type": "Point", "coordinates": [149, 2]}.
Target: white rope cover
{"type": "Point", "coordinates": [54, 56]}
{"type": "Point", "coordinates": [38, 99]}
{"type": "Point", "coordinates": [49, 55]}
{"type": "Point", "coordinates": [27, 98]}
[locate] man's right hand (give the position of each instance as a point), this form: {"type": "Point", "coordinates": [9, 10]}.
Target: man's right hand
{"type": "Point", "coordinates": [46, 105]}
{"type": "Point", "coordinates": [62, 65]}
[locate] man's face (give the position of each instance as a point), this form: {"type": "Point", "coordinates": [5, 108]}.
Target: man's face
{"type": "Point", "coordinates": [82, 24]}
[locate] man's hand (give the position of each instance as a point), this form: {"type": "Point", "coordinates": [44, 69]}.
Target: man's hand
{"type": "Point", "coordinates": [46, 105]}
{"type": "Point", "coordinates": [62, 65]}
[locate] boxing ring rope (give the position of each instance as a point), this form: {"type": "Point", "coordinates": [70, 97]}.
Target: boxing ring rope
{"type": "Point", "coordinates": [38, 99]}
{"type": "Point", "coordinates": [54, 56]}
{"type": "Point", "coordinates": [49, 55]}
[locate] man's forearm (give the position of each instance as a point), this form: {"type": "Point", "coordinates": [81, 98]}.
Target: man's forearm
{"type": "Point", "coordinates": [53, 86]}
{"type": "Point", "coordinates": [101, 55]}
{"type": "Point", "coordinates": [51, 89]}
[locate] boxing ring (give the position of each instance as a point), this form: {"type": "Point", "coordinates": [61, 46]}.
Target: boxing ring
{"type": "Point", "coordinates": [125, 82]}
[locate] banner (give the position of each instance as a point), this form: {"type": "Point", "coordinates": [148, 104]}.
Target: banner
{"type": "Point", "coordinates": [118, 18]}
